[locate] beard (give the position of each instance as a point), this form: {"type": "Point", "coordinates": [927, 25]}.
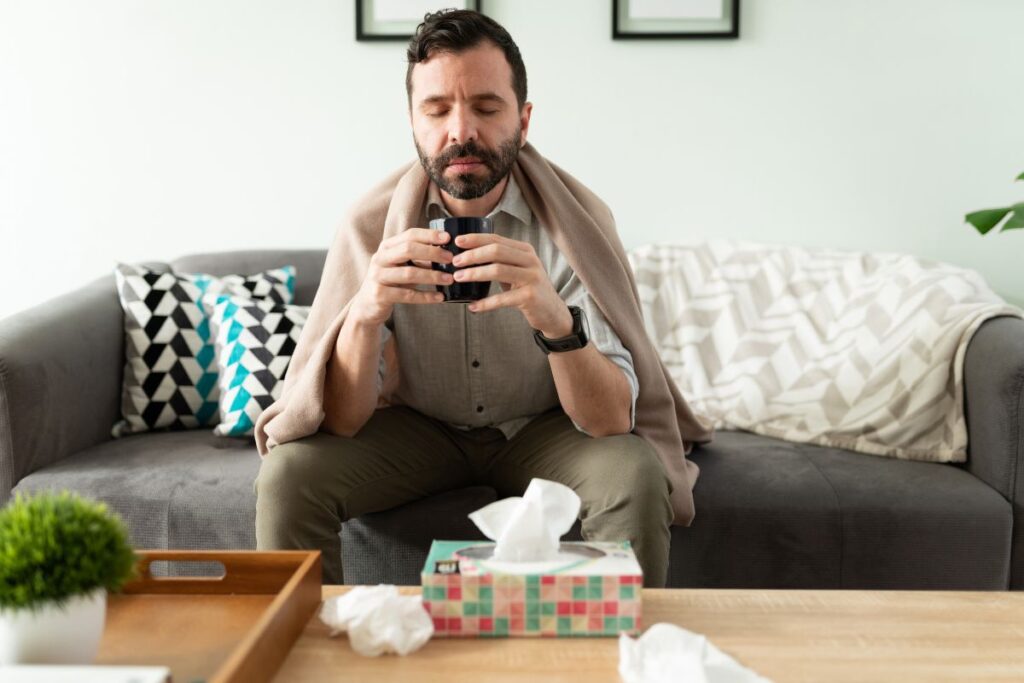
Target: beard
{"type": "Point", "coordinates": [471, 185]}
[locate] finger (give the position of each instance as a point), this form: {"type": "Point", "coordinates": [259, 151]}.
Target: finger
{"type": "Point", "coordinates": [508, 299]}
{"type": "Point", "coordinates": [494, 271]}
{"type": "Point", "coordinates": [422, 235]}
{"type": "Point", "coordinates": [478, 239]}
{"type": "Point", "coordinates": [411, 275]}
{"type": "Point", "coordinates": [403, 252]}
{"type": "Point", "coordinates": [494, 253]}
{"type": "Point", "coordinates": [401, 295]}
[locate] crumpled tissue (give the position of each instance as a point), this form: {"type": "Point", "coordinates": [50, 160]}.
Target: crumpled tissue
{"type": "Point", "coordinates": [528, 529]}
{"type": "Point", "coordinates": [666, 652]}
{"type": "Point", "coordinates": [379, 620]}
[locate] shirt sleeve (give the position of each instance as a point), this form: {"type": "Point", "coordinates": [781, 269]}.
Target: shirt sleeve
{"type": "Point", "coordinates": [604, 339]}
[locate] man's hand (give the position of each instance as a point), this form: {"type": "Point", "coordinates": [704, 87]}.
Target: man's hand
{"type": "Point", "coordinates": [391, 278]}
{"type": "Point", "coordinates": [522, 277]}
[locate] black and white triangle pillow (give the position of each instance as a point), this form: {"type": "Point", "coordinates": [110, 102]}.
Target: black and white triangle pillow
{"type": "Point", "coordinates": [170, 377]}
{"type": "Point", "coordinates": [255, 343]}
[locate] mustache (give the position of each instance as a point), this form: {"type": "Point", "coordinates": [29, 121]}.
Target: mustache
{"type": "Point", "coordinates": [469, 149]}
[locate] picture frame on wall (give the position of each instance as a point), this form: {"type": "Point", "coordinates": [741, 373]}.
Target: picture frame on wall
{"type": "Point", "coordinates": [398, 19]}
{"type": "Point", "coordinates": [643, 19]}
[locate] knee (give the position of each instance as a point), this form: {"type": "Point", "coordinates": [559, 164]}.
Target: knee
{"type": "Point", "coordinates": [288, 474]}
{"type": "Point", "coordinates": [629, 469]}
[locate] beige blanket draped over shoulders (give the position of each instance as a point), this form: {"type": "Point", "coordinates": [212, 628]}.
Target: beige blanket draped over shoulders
{"type": "Point", "coordinates": [582, 228]}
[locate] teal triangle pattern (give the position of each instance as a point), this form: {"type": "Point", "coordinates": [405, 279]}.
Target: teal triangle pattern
{"type": "Point", "coordinates": [170, 357]}
{"type": "Point", "coordinates": [251, 376]}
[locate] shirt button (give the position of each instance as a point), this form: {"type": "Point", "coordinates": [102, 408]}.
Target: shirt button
{"type": "Point", "coordinates": [476, 363]}
{"type": "Point", "coordinates": [479, 409]}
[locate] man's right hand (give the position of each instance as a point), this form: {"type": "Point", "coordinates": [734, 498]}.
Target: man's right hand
{"type": "Point", "coordinates": [401, 263]}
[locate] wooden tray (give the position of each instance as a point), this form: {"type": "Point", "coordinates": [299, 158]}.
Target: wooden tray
{"type": "Point", "coordinates": [228, 629]}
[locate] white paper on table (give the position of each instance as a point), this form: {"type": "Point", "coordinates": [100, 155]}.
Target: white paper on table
{"type": "Point", "coordinates": [379, 620]}
{"type": "Point", "coordinates": [668, 653]}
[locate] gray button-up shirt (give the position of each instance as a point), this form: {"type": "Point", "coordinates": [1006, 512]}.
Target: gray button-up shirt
{"type": "Point", "coordinates": [484, 369]}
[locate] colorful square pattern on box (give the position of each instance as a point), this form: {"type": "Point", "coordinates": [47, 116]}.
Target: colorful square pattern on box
{"type": "Point", "coordinates": [598, 595]}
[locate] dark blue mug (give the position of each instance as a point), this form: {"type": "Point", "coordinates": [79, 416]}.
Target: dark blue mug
{"type": "Point", "coordinates": [460, 292]}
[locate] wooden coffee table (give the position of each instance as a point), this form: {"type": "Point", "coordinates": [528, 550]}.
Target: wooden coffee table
{"type": "Point", "coordinates": [782, 634]}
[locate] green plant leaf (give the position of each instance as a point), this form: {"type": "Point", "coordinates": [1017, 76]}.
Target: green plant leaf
{"type": "Point", "coordinates": [986, 219]}
{"type": "Point", "coordinates": [54, 546]}
{"type": "Point", "coordinates": [1016, 221]}
{"type": "Point", "coordinates": [1020, 177]}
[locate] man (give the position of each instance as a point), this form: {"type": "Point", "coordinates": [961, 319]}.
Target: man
{"type": "Point", "coordinates": [486, 392]}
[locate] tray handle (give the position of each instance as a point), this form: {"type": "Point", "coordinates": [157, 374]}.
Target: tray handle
{"type": "Point", "coordinates": [245, 571]}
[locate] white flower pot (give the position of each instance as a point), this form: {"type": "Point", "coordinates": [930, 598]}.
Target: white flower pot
{"type": "Point", "coordinates": [54, 635]}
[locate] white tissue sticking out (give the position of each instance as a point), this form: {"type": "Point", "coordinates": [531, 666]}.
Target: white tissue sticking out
{"type": "Point", "coordinates": [666, 652]}
{"type": "Point", "coordinates": [379, 620]}
{"type": "Point", "coordinates": [528, 529]}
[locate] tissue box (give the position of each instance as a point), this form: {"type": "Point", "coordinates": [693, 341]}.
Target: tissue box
{"type": "Point", "coordinates": [593, 590]}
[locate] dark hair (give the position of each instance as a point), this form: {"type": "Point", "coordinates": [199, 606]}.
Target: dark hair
{"type": "Point", "coordinates": [456, 30]}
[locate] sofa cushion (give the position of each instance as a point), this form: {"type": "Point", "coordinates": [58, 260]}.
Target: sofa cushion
{"type": "Point", "coordinates": [309, 264]}
{"type": "Point", "coordinates": [170, 378]}
{"type": "Point", "coordinates": [255, 341]}
{"type": "Point", "coordinates": [776, 514]}
{"type": "Point", "coordinates": [194, 490]}
{"type": "Point", "coordinates": [766, 517]}
{"type": "Point", "coordinates": [917, 525]}
{"type": "Point", "coordinates": [180, 490]}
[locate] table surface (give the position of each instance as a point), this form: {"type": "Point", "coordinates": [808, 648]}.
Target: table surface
{"type": "Point", "coordinates": [785, 635]}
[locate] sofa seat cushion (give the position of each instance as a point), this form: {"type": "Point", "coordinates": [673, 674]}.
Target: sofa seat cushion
{"type": "Point", "coordinates": [183, 490]}
{"type": "Point", "coordinates": [194, 490]}
{"type": "Point", "coordinates": [776, 514]}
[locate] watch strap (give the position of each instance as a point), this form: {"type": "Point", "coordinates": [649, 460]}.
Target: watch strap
{"type": "Point", "coordinates": [575, 340]}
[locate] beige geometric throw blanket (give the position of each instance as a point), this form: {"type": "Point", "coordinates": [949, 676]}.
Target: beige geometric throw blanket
{"type": "Point", "coordinates": [862, 351]}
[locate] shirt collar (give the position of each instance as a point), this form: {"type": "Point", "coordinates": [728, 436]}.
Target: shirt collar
{"type": "Point", "coordinates": [512, 202]}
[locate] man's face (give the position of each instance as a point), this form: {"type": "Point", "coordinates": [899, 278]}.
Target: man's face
{"type": "Point", "coordinates": [465, 119]}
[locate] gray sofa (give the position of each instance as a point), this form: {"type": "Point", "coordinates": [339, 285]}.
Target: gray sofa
{"type": "Point", "coordinates": [770, 513]}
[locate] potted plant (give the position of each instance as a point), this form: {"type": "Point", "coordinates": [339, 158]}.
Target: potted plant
{"type": "Point", "coordinates": [59, 555]}
{"type": "Point", "coordinates": [986, 219]}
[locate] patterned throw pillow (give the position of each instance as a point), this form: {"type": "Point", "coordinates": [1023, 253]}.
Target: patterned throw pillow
{"type": "Point", "coordinates": [170, 377]}
{"type": "Point", "coordinates": [255, 343]}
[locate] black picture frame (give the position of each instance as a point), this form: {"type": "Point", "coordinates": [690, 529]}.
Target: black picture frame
{"type": "Point", "coordinates": [620, 32]}
{"type": "Point", "coordinates": [363, 11]}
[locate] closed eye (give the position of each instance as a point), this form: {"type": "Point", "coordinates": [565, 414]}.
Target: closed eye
{"type": "Point", "coordinates": [482, 112]}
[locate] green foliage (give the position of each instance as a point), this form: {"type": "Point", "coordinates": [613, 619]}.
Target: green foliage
{"type": "Point", "coordinates": [54, 546]}
{"type": "Point", "coordinates": [986, 219]}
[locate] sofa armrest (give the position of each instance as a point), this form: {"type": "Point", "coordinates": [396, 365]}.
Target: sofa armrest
{"type": "Point", "coordinates": [61, 365]}
{"type": "Point", "coordinates": [994, 397]}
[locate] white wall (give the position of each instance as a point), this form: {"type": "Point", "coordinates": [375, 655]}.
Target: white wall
{"type": "Point", "coordinates": [145, 130]}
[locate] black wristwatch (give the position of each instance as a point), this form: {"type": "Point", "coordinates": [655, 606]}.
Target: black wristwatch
{"type": "Point", "coordinates": [577, 339]}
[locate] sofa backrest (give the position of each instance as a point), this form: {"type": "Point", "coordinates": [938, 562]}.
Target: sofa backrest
{"type": "Point", "coordinates": [309, 264]}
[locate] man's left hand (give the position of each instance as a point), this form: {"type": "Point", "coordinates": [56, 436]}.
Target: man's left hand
{"type": "Point", "coordinates": [525, 283]}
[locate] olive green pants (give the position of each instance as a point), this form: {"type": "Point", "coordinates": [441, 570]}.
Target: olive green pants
{"type": "Point", "coordinates": [306, 488]}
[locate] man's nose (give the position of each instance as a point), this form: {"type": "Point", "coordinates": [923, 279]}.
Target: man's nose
{"type": "Point", "coordinates": [461, 126]}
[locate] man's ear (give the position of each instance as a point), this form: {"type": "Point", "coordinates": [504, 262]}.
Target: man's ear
{"type": "Point", "coordinates": [524, 122]}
